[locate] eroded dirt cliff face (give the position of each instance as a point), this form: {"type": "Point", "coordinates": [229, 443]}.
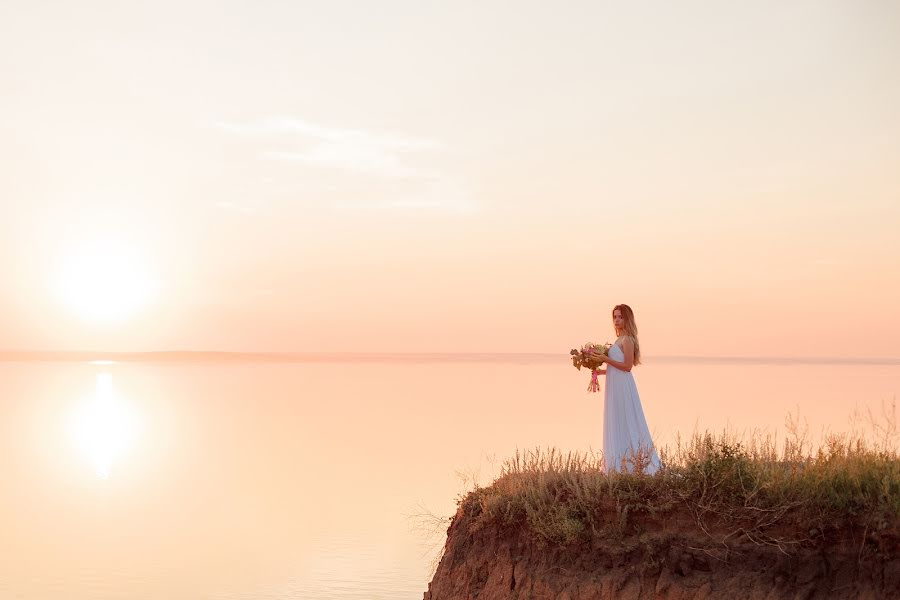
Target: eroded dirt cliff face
{"type": "Point", "coordinates": [665, 557]}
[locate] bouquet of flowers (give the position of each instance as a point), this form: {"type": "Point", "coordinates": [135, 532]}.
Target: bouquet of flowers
{"type": "Point", "coordinates": [582, 358]}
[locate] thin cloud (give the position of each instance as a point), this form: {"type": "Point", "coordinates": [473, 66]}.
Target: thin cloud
{"type": "Point", "coordinates": [350, 157]}
{"type": "Point", "coordinates": [232, 206]}
{"type": "Point", "coordinates": [363, 153]}
{"type": "Point", "coordinates": [285, 125]}
{"type": "Point", "coordinates": [348, 149]}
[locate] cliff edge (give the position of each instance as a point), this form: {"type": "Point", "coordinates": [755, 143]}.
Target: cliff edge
{"type": "Point", "coordinates": [665, 556]}
{"type": "Point", "coordinates": [722, 520]}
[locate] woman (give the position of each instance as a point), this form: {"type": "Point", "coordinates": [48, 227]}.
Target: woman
{"type": "Point", "coordinates": [626, 437]}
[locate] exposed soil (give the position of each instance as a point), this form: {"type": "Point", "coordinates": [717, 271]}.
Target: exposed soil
{"type": "Point", "coordinates": [666, 557]}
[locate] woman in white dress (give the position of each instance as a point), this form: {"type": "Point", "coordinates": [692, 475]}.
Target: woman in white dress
{"type": "Point", "coordinates": [626, 437]}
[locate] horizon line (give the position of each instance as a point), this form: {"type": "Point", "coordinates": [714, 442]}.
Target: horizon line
{"type": "Point", "coordinates": [331, 356]}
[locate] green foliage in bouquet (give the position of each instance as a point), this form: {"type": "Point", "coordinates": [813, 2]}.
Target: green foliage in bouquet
{"type": "Point", "coordinates": [581, 357]}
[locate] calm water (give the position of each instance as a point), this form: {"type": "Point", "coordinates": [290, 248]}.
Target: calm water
{"type": "Point", "coordinates": [314, 480]}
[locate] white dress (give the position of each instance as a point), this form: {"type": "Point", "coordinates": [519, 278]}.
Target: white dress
{"type": "Point", "coordinates": [625, 429]}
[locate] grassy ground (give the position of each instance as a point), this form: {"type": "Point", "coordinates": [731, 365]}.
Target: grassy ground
{"type": "Point", "coordinates": [735, 487]}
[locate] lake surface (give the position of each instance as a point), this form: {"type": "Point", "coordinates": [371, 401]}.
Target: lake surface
{"type": "Point", "coordinates": [325, 479]}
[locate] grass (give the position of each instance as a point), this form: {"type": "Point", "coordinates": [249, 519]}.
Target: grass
{"type": "Point", "coordinates": [733, 487]}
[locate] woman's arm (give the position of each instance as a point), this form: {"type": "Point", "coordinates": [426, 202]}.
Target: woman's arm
{"type": "Point", "coordinates": [628, 350]}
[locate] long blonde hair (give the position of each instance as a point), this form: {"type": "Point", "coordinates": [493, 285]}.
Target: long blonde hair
{"type": "Point", "coordinates": [630, 328]}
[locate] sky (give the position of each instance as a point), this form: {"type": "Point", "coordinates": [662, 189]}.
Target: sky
{"type": "Point", "coordinates": [450, 177]}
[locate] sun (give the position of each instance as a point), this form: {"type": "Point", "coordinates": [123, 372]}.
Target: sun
{"type": "Point", "coordinates": [104, 281]}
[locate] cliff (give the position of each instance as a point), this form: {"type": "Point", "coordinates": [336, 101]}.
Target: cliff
{"type": "Point", "coordinates": [723, 519]}
{"type": "Point", "coordinates": [665, 556]}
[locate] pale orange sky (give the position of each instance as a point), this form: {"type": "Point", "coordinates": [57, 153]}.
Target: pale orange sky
{"type": "Point", "coordinates": [402, 177]}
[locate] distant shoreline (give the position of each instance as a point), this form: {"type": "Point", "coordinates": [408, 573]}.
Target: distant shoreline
{"type": "Point", "coordinates": [199, 356]}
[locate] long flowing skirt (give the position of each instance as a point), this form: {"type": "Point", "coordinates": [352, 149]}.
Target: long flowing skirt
{"type": "Point", "coordinates": [626, 437]}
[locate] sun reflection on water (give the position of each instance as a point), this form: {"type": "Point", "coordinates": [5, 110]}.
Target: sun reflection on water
{"type": "Point", "coordinates": [105, 427]}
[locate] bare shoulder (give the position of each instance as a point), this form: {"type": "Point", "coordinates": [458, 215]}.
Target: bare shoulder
{"type": "Point", "coordinates": [628, 341]}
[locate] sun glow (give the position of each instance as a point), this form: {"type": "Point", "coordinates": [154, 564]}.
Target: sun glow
{"type": "Point", "coordinates": [104, 429]}
{"type": "Point", "coordinates": [104, 282]}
